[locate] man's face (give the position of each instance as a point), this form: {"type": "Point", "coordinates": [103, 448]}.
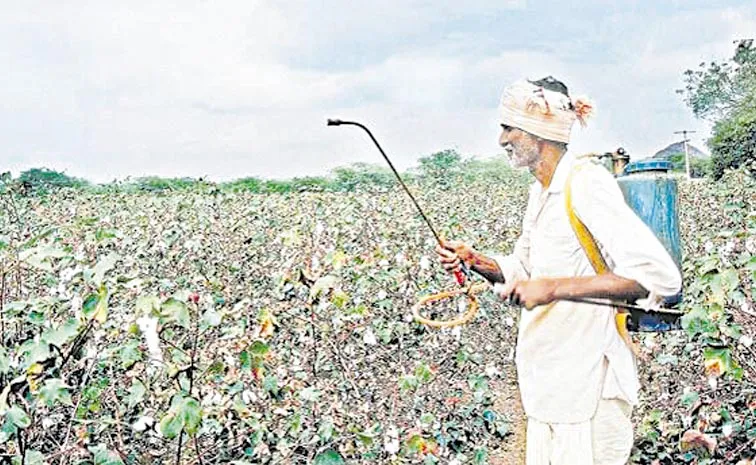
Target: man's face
{"type": "Point", "coordinates": [522, 147]}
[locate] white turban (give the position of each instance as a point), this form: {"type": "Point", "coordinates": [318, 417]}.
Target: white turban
{"type": "Point", "coordinates": [542, 112]}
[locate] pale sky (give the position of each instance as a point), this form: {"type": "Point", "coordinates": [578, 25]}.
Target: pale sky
{"type": "Point", "coordinates": [105, 90]}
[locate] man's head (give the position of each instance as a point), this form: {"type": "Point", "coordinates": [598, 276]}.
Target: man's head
{"type": "Point", "coordinates": [537, 114]}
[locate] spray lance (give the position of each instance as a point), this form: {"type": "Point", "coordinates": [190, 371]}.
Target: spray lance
{"type": "Point", "coordinates": [462, 274]}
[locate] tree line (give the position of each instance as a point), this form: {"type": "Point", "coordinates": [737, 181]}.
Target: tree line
{"type": "Point", "coordinates": [442, 169]}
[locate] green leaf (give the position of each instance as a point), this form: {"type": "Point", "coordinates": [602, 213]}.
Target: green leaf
{"type": "Point", "coordinates": [718, 361]}
{"type": "Point", "coordinates": [89, 307]}
{"type": "Point", "coordinates": [185, 412]}
{"type": "Point", "coordinates": [689, 399]}
{"type": "Point", "coordinates": [477, 382]}
{"type": "Point", "coordinates": [130, 353]}
{"type": "Point", "coordinates": [136, 394]}
{"type": "Point", "coordinates": [408, 383]}
{"type": "Point", "coordinates": [96, 305]}
{"type": "Point", "coordinates": [36, 318]}
{"type": "Point", "coordinates": [480, 457]}
{"type": "Point", "coordinates": [423, 373]}
{"type": "Point", "coordinates": [192, 414]}
{"type": "Point", "coordinates": [245, 360]}
{"type": "Point", "coordinates": [176, 311]}
{"type": "Point", "coordinates": [427, 419]}
{"type": "Point", "coordinates": [35, 352]}
{"type": "Point", "coordinates": [63, 334]}
{"type": "Point", "coordinates": [102, 456]}
{"type": "Point", "coordinates": [147, 305]}
{"type": "Point", "coordinates": [328, 457]}
{"type": "Point", "coordinates": [101, 310]}
{"type": "Point", "coordinates": [259, 349]}
{"type": "Point", "coordinates": [54, 390]}
{"type": "Point", "coordinates": [730, 280]}
{"type": "Point", "coordinates": [270, 384]}
{"type": "Point", "coordinates": [32, 457]}
{"type": "Point", "coordinates": [171, 424]}
{"type": "Point", "coordinates": [325, 431]}
{"type": "Point", "coordinates": [17, 417]}
{"type": "Point", "coordinates": [339, 299]}
{"type": "Point", "coordinates": [4, 361]}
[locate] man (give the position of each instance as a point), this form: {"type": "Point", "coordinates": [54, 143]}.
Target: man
{"type": "Point", "coordinates": [577, 376]}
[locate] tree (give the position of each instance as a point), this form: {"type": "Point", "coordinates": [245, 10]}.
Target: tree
{"type": "Point", "coordinates": [733, 143]}
{"type": "Point", "coordinates": [440, 167]}
{"type": "Point", "coordinates": [716, 91]}
{"type": "Point", "coordinates": [725, 94]}
{"type": "Point", "coordinates": [43, 179]}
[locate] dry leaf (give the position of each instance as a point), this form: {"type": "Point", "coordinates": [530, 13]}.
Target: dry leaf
{"type": "Point", "coordinates": [694, 438]}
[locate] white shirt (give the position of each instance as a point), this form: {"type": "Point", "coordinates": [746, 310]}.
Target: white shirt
{"type": "Point", "coordinates": [562, 347]}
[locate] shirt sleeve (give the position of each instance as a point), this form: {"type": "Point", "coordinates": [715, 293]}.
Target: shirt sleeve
{"type": "Point", "coordinates": [633, 247]}
{"type": "Point", "coordinates": [516, 266]}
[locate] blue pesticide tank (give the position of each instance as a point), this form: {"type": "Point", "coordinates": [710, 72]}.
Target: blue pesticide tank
{"type": "Point", "coordinates": [651, 192]}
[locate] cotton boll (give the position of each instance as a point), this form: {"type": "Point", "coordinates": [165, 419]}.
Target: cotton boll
{"type": "Point", "coordinates": [457, 333]}
{"type": "Point", "coordinates": [391, 445]}
{"type": "Point", "coordinates": [143, 423]}
{"type": "Point", "coordinates": [369, 337]}
{"type": "Point", "coordinates": [148, 327]}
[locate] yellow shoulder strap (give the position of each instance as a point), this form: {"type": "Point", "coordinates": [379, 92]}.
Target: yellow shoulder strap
{"type": "Point", "coordinates": [589, 245]}
{"type": "Point", "coordinates": [584, 236]}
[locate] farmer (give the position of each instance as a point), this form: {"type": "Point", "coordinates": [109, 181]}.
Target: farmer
{"type": "Point", "coordinates": [576, 374]}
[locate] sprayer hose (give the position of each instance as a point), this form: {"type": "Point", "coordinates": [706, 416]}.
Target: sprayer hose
{"type": "Point", "coordinates": [464, 319]}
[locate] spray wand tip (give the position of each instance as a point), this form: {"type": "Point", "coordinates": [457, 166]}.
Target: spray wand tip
{"type": "Point", "coordinates": [334, 122]}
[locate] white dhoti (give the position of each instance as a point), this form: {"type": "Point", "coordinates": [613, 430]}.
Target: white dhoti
{"type": "Point", "coordinates": [605, 439]}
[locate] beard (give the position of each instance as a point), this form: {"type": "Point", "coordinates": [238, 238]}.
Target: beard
{"type": "Point", "coordinates": [523, 155]}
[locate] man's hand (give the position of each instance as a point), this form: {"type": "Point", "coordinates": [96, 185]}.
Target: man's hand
{"type": "Point", "coordinates": [530, 293]}
{"type": "Point", "coordinates": [452, 253]}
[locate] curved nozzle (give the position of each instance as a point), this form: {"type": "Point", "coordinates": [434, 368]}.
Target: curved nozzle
{"type": "Point", "coordinates": [334, 122]}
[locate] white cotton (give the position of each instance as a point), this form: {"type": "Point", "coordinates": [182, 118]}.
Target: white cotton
{"type": "Point", "coordinates": [148, 327]}
{"type": "Point", "coordinates": [369, 337]}
{"type": "Point", "coordinates": [143, 423]}
{"type": "Point", "coordinates": [391, 445]}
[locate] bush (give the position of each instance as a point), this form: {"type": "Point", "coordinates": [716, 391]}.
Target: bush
{"type": "Point", "coordinates": [699, 167]}
{"type": "Point", "coordinates": [157, 184]}
{"type": "Point", "coordinates": [245, 184]}
{"type": "Point", "coordinates": [362, 177]}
